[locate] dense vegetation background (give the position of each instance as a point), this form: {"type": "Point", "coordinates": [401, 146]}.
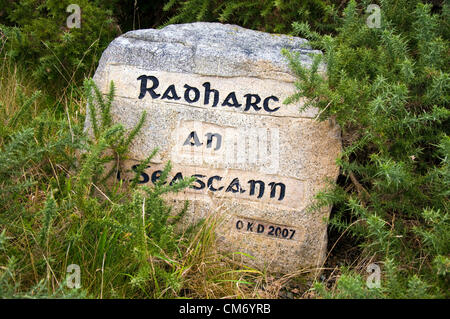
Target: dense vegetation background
{"type": "Point", "coordinates": [387, 87]}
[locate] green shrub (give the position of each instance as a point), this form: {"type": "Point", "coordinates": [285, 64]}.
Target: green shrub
{"type": "Point", "coordinates": [267, 15]}
{"type": "Point", "coordinates": [388, 88]}
{"type": "Point", "coordinates": [39, 39]}
{"type": "Point", "coordinates": [57, 208]}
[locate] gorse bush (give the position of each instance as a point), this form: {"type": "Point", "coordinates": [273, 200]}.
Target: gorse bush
{"type": "Point", "coordinates": [39, 39]}
{"type": "Point", "coordinates": [267, 15]}
{"type": "Point", "coordinates": [124, 230]}
{"type": "Point", "coordinates": [388, 88]}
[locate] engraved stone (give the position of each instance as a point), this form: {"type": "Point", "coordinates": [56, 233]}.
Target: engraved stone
{"type": "Point", "coordinates": [214, 97]}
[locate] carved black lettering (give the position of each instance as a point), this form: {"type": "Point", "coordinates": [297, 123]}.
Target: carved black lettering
{"type": "Point", "coordinates": [208, 91]}
{"type": "Point", "coordinates": [249, 103]}
{"type": "Point", "coordinates": [233, 102]}
{"type": "Point", "coordinates": [145, 177]}
{"type": "Point", "coordinates": [273, 187]}
{"type": "Point", "coordinates": [178, 176]}
{"type": "Point", "coordinates": [187, 95]}
{"type": "Point", "coordinates": [252, 188]}
{"type": "Point", "coordinates": [210, 136]}
{"type": "Point", "coordinates": [210, 183]}
{"type": "Point", "coordinates": [235, 187]}
{"type": "Point", "coordinates": [145, 89]}
{"type": "Point", "coordinates": [199, 181]}
{"type": "Point", "coordinates": [155, 176]}
{"type": "Point", "coordinates": [277, 231]}
{"type": "Point", "coordinates": [266, 104]}
{"type": "Point", "coordinates": [260, 229]}
{"type": "Point", "coordinates": [170, 93]}
{"type": "Point", "coordinates": [192, 140]}
{"type": "Point", "coordinates": [292, 233]}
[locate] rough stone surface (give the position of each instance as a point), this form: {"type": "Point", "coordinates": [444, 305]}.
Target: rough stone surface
{"type": "Point", "coordinates": [270, 161]}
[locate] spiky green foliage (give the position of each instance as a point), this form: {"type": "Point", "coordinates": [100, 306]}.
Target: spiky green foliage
{"type": "Point", "coordinates": [87, 219]}
{"type": "Point", "coordinates": [10, 288]}
{"type": "Point", "coordinates": [388, 88]}
{"type": "Point", "coordinates": [39, 38]}
{"type": "Point", "coordinates": [267, 15]}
